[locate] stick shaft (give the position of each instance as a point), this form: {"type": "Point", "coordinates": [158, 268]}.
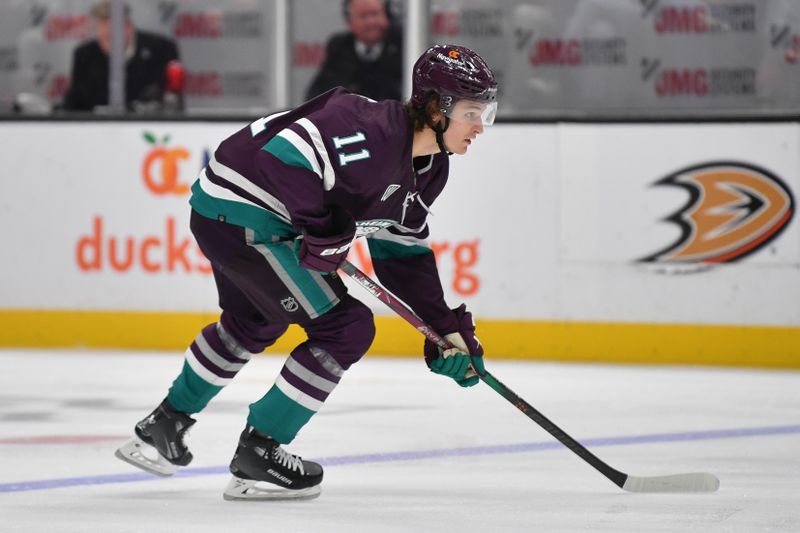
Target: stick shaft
{"type": "Point", "coordinates": [401, 309]}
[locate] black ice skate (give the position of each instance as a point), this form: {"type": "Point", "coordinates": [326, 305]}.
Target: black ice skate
{"type": "Point", "coordinates": [261, 459]}
{"type": "Point", "coordinates": [161, 433]}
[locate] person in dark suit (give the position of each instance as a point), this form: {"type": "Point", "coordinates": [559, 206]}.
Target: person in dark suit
{"type": "Point", "coordinates": [368, 59]}
{"type": "Point", "coordinates": [147, 56]}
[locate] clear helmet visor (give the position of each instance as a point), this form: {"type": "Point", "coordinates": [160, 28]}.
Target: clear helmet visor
{"type": "Point", "coordinates": [472, 112]}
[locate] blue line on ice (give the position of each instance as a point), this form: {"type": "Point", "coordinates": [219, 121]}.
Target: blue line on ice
{"type": "Point", "coordinates": [418, 455]}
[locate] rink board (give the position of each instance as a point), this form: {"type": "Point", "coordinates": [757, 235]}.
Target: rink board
{"type": "Point", "coordinates": [548, 232]}
{"type": "Point", "coordinates": [745, 346]}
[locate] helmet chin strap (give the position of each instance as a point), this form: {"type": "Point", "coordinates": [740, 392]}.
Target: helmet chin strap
{"type": "Point", "coordinates": [437, 127]}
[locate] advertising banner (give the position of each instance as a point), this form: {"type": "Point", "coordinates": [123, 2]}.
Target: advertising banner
{"type": "Point", "coordinates": [106, 219]}
{"type": "Point", "coordinates": [632, 56]}
{"type": "Point", "coordinates": [679, 223]}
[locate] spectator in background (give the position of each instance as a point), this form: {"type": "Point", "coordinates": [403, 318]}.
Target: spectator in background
{"type": "Point", "coordinates": [147, 58]}
{"type": "Point", "coordinates": [368, 59]}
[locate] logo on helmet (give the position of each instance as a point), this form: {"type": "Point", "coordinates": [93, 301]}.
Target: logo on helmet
{"type": "Point", "coordinates": [456, 60]}
{"type": "Point", "coordinates": [451, 70]}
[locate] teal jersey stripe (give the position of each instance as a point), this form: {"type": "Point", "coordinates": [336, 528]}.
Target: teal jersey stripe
{"type": "Point", "coordinates": [263, 222]}
{"type": "Point", "coordinates": [287, 153]}
{"type": "Point", "coordinates": [272, 232]}
{"type": "Point", "coordinates": [308, 282]}
{"type": "Point", "coordinates": [382, 249]}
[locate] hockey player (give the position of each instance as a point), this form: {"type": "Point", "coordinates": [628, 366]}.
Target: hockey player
{"type": "Point", "coordinates": [276, 211]}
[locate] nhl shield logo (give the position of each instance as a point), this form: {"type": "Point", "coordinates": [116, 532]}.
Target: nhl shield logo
{"type": "Point", "coordinates": [290, 304]}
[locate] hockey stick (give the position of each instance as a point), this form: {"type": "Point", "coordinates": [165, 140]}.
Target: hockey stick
{"type": "Point", "coordinates": [694, 482]}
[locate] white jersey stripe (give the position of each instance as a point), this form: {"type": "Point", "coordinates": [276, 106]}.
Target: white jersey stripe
{"type": "Point", "coordinates": [203, 372]}
{"type": "Point", "coordinates": [232, 345]}
{"type": "Point", "coordinates": [309, 377]}
{"type": "Point", "coordinates": [212, 189]}
{"type": "Point", "coordinates": [261, 124]}
{"type": "Point", "coordinates": [296, 395]}
{"type": "Point", "coordinates": [303, 147]}
{"type": "Point", "coordinates": [327, 361]}
{"type": "Point", "coordinates": [216, 359]}
{"type": "Point", "coordinates": [329, 177]}
{"type": "Point", "coordinates": [240, 181]}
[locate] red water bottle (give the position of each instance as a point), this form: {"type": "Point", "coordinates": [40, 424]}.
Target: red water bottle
{"type": "Point", "coordinates": [173, 92]}
{"type": "Point", "coordinates": [176, 76]}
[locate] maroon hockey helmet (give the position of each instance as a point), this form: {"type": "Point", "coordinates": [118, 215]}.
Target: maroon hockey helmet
{"type": "Point", "coordinates": [454, 73]}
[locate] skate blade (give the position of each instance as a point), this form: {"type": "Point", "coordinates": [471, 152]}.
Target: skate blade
{"type": "Point", "coordinates": [133, 452]}
{"type": "Point", "coordinates": [240, 489]}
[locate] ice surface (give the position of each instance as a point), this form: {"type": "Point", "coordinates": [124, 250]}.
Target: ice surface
{"type": "Point", "coordinates": [406, 450]}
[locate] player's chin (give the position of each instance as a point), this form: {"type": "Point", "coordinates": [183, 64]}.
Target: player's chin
{"type": "Point", "coordinates": [463, 148]}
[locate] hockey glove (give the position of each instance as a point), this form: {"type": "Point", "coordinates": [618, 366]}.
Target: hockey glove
{"type": "Point", "coordinates": [455, 362]}
{"type": "Point", "coordinates": [325, 254]}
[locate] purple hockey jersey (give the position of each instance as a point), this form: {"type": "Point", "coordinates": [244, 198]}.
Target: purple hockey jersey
{"type": "Point", "coordinates": [339, 150]}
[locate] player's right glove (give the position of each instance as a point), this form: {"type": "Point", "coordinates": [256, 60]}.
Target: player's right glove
{"type": "Point", "coordinates": [326, 253]}
{"type": "Point", "coordinates": [455, 362]}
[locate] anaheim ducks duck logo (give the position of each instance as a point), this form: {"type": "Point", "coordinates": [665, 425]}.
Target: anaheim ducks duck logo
{"type": "Point", "coordinates": [733, 210]}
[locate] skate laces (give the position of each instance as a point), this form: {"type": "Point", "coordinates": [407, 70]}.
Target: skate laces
{"type": "Point", "coordinates": [292, 462]}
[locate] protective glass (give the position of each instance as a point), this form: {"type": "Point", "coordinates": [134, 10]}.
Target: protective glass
{"type": "Point", "coordinates": [472, 112]}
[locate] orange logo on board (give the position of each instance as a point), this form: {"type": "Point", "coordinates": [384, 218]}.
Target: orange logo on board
{"type": "Point", "coordinates": [160, 167]}
{"type": "Point", "coordinates": [734, 209]}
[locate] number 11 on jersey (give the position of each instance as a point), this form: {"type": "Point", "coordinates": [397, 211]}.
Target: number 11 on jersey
{"type": "Point", "coordinates": [345, 158]}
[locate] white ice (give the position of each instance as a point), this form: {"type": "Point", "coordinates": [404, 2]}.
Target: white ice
{"type": "Point", "coordinates": [62, 414]}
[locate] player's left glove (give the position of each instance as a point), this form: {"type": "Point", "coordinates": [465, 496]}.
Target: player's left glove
{"type": "Point", "coordinates": [325, 253]}
{"type": "Point", "coordinates": [455, 362]}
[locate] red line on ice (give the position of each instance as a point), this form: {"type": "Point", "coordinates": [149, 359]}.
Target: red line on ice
{"type": "Point", "coordinates": [62, 439]}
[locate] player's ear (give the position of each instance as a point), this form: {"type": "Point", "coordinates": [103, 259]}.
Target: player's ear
{"type": "Point", "coordinates": [436, 117]}
{"type": "Point", "coordinates": [433, 110]}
